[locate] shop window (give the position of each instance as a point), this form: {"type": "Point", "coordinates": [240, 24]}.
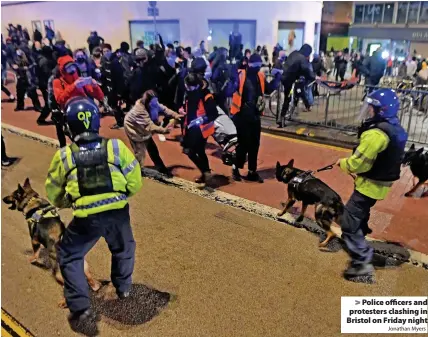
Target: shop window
{"type": "Point", "coordinates": [413, 12]}
{"type": "Point", "coordinates": [388, 12]}
{"type": "Point", "coordinates": [359, 11]}
{"type": "Point", "coordinates": [402, 12]}
{"type": "Point", "coordinates": [423, 18]}
{"type": "Point", "coordinates": [377, 13]}
{"type": "Point", "coordinates": [368, 13]}
{"type": "Point", "coordinates": [225, 33]}
{"type": "Point", "coordinates": [291, 35]}
{"type": "Point", "coordinates": [145, 31]}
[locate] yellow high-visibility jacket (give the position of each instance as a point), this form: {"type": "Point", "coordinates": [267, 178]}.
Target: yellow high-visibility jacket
{"type": "Point", "coordinates": [372, 142]}
{"type": "Point", "coordinates": [62, 187]}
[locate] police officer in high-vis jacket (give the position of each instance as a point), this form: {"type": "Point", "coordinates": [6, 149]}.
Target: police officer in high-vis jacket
{"type": "Point", "coordinates": [376, 163]}
{"type": "Point", "coordinates": [95, 176]}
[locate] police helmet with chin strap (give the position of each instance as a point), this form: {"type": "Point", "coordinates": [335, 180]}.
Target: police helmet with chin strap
{"type": "Point", "coordinates": [385, 103]}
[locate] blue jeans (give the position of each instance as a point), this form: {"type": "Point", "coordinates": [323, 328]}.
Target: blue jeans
{"type": "Point", "coordinates": [355, 226]}
{"type": "Point", "coordinates": [79, 238]}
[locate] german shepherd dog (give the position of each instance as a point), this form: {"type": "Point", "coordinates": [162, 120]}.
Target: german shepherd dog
{"type": "Point", "coordinates": [311, 191]}
{"type": "Point", "coordinates": [418, 162]}
{"type": "Point", "coordinates": [45, 227]}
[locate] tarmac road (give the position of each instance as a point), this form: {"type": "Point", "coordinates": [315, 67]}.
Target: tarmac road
{"type": "Point", "coordinates": [229, 272]}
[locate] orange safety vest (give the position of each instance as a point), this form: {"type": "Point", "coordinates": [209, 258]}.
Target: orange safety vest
{"type": "Point", "coordinates": [208, 128]}
{"type": "Point", "coordinates": [237, 96]}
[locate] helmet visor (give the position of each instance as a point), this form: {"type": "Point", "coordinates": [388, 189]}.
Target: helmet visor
{"type": "Point", "coordinates": [367, 106]}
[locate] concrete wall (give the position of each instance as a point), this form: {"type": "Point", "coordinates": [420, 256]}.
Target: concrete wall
{"type": "Point", "coordinates": [74, 20]}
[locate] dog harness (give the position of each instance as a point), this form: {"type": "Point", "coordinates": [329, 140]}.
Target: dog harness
{"type": "Point", "coordinates": [34, 216]}
{"type": "Point", "coordinates": [300, 179]}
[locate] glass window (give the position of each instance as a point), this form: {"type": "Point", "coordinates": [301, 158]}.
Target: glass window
{"type": "Point", "coordinates": [368, 13]}
{"type": "Point", "coordinates": [388, 12]}
{"type": "Point", "coordinates": [144, 30]}
{"type": "Point", "coordinates": [377, 13]}
{"type": "Point", "coordinates": [413, 12]}
{"type": "Point", "coordinates": [232, 33]}
{"type": "Point", "coordinates": [359, 10]}
{"type": "Point", "coordinates": [402, 12]}
{"type": "Point", "coordinates": [424, 12]}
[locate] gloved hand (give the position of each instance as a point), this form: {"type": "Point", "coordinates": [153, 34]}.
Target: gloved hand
{"type": "Point", "coordinates": [196, 122]}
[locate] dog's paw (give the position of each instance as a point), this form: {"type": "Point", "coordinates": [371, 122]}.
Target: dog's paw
{"type": "Point", "coordinates": [33, 260]}
{"type": "Point", "coordinates": [300, 218]}
{"type": "Point", "coordinates": [95, 285]}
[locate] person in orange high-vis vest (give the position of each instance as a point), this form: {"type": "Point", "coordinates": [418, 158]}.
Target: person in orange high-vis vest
{"type": "Point", "coordinates": [201, 111]}
{"type": "Point", "coordinates": [247, 107]}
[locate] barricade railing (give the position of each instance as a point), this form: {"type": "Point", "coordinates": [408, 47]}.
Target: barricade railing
{"type": "Point", "coordinates": [340, 109]}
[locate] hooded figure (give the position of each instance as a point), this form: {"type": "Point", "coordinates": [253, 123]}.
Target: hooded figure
{"type": "Point", "coordinates": [296, 66]}
{"type": "Point", "coordinates": [70, 85]}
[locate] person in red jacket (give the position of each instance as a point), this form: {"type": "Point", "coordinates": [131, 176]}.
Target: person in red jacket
{"type": "Point", "coordinates": [70, 85]}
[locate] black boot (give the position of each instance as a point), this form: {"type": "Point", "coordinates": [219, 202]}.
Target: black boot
{"type": "Point", "coordinates": [236, 175]}
{"type": "Point", "coordinates": [355, 270]}
{"type": "Point", "coordinates": [254, 176]}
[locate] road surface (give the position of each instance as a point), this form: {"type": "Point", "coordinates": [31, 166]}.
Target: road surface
{"type": "Point", "coordinates": [223, 271]}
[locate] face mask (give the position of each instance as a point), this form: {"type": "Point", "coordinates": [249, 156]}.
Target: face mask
{"type": "Point", "coordinates": [97, 54]}
{"type": "Point", "coordinates": [154, 109]}
{"type": "Point", "coordinates": [108, 54]}
{"type": "Point", "coordinates": [80, 59]}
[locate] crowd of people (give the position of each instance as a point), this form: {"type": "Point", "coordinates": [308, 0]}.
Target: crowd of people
{"type": "Point", "coordinates": [190, 87]}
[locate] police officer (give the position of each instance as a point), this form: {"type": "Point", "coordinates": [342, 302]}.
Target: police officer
{"type": "Point", "coordinates": [95, 176]}
{"type": "Point", "coordinates": [376, 163]}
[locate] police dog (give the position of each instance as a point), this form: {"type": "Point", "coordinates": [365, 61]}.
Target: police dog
{"type": "Point", "coordinates": [418, 162]}
{"type": "Point", "coordinates": [309, 190]}
{"type": "Point", "coordinates": [45, 227]}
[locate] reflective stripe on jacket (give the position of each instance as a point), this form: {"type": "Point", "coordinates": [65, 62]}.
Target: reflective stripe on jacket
{"type": "Point", "coordinates": [372, 142]}
{"type": "Point", "coordinates": [237, 96]}
{"type": "Point", "coordinates": [62, 186]}
{"type": "Point", "coordinates": [207, 129]}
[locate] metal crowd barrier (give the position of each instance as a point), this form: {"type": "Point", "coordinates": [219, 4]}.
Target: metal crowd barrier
{"type": "Point", "coordinates": [341, 110]}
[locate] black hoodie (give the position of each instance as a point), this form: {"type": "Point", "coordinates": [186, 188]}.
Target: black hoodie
{"type": "Point", "coordinates": [297, 65]}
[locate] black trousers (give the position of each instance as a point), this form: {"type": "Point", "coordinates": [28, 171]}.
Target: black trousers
{"type": "Point", "coordinates": [287, 98]}
{"type": "Point", "coordinates": [22, 87]}
{"type": "Point", "coordinates": [340, 73]}
{"type": "Point", "coordinates": [58, 119]}
{"type": "Point", "coordinates": [194, 144]}
{"type": "Point", "coordinates": [45, 111]}
{"type": "Point", "coordinates": [249, 132]}
{"type": "Point", "coordinates": [355, 226]}
{"type": "Point", "coordinates": [114, 102]}
{"type": "Point", "coordinates": [221, 101]}
{"type": "Point", "coordinates": [79, 238]}
{"type": "Point", "coordinates": [5, 90]}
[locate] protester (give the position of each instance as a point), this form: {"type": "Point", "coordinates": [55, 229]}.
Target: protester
{"type": "Point", "coordinates": [5, 159]}
{"type": "Point", "coordinates": [373, 69]}
{"type": "Point", "coordinates": [113, 83]}
{"type": "Point", "coordinates": [94, 41]}
{"type": "Point", "coordinates": [26, 81]}
{"type": "Point", "coordinates": [412, 67]}
{"type": "Point", "coordinates": [70, 85]}
{"type": "Point", "coordinates": [340, 65]}
{"type": "Point", "coordinates": [141, 122]}
{"type": "Point", "coordinates": [44, 66]}
{"type": "Point", "coordinates": [296, 65]}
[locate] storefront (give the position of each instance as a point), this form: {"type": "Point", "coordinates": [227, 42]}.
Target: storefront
{"type": "Point", "coordinates": [399, 42]}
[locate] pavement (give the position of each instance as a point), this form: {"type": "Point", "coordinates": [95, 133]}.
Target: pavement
{"type": "Point", "coordinates": [202, 268]}
{"type": "Point", "coordinates": [396, 219]}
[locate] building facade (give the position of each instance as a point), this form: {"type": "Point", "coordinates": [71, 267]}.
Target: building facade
{"type": "Point", "coordinates": [260, 23]}
{"type": "Point", "coordinates": [401, 28]}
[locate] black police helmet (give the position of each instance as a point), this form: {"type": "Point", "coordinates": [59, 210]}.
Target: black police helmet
{"type": "Point", "coordinates": [82, 115]}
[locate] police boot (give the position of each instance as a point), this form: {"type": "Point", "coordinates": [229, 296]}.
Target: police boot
{"type": "Point", "coordinates": [359, 270]}
{"type": "Point", "coordinates": [123, 295]}
{"type": "Point", "coordinates": [84, 322]}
